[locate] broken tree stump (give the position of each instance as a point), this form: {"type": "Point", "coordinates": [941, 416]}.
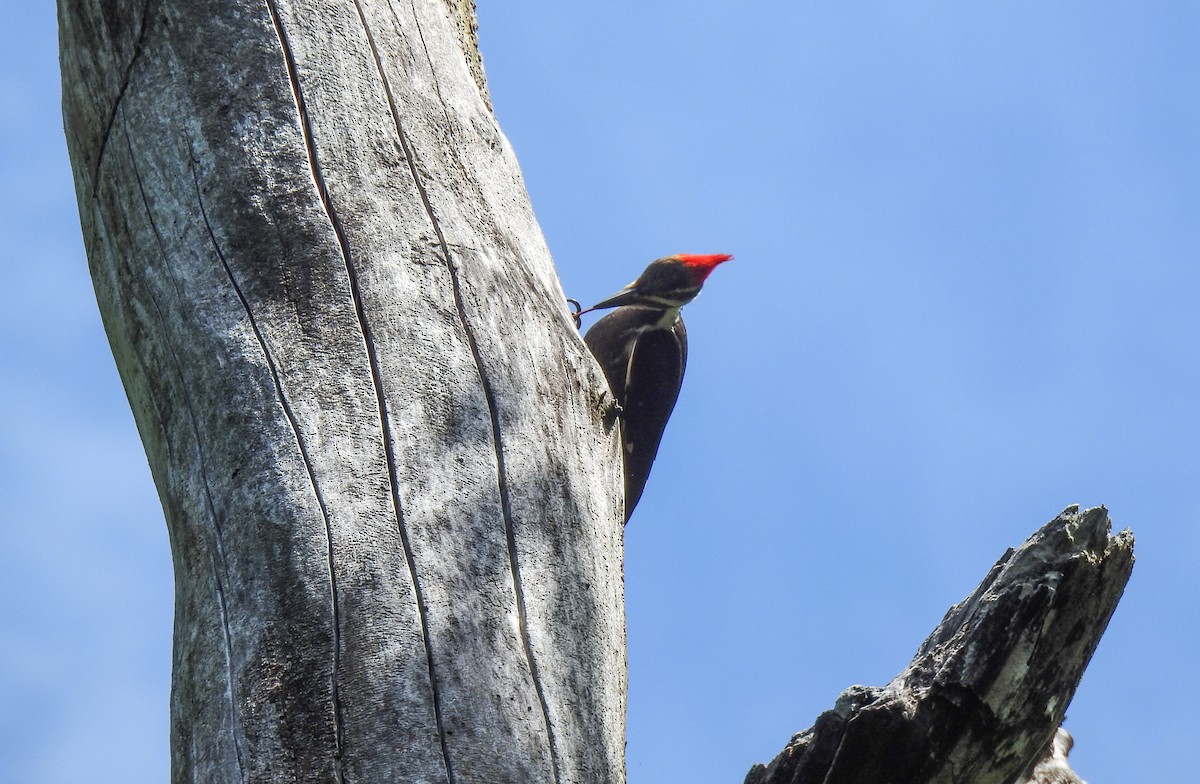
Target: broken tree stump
{"type": "Point", "coordinates": [990, 685]}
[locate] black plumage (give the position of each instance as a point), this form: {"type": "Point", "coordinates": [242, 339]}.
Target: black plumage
{"type": "Point", "coordinates": [644, 361]}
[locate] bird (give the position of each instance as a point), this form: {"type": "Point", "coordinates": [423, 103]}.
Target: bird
{"type": "Point", "coordinates": [1051, 766]}
{"type": "Point", "coordinates": [642, 348]}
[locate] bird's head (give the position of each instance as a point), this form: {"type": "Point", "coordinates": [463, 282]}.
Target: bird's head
{"type": "Point", "coordinates": [669, 282]}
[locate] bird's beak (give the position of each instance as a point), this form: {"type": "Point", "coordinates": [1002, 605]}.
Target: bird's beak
{"type": "Point", "coordinates": [625, 296]}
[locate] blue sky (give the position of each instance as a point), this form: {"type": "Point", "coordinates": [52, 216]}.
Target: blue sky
{"type": "Point", "coordinates": [965, 296]}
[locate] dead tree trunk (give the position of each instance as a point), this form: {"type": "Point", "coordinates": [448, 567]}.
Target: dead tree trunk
{"type": "Point", "coordinates": [393, 502]}
{"type": "Point", "coordinates": [385, 458]}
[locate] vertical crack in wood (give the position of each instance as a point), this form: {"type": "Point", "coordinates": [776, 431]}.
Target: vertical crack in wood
{"type": "Point", "coordinates": [112, 117]}
{"type": "Point", "coordinates": [485, 382]}
{"type": "Point", "coordinates": [309, 468]}
{"type": "Point", "coordinates": [377, 382]}
{"type": "Point", "coordinates": [221, 565]}
{"type": "Point", "coordinates": [437, 87]}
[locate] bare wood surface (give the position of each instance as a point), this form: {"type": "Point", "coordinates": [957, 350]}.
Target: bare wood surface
{"type": "Point", "coordinates": [380, 445]}
{"type": "Point", "coordinates": [990, 685]}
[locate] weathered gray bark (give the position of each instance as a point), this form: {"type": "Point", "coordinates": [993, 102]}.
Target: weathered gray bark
{"type": "Point", "coordinates": [393, 503]}
{"type": "Point", "coordinates": [989, 687]}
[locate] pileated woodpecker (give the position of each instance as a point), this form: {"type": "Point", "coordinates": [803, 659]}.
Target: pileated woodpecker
{"type": "Point", "coordinates": [642, 347]}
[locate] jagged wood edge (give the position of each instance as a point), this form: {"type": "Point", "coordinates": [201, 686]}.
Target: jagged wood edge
{"type": "Point", "coordinates": [991, 683]}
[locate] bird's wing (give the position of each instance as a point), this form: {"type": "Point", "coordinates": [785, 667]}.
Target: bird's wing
{"type": "Point", "coordinates": [652, 382]}
{"type": "Point", "coordinates": [681, 339]}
